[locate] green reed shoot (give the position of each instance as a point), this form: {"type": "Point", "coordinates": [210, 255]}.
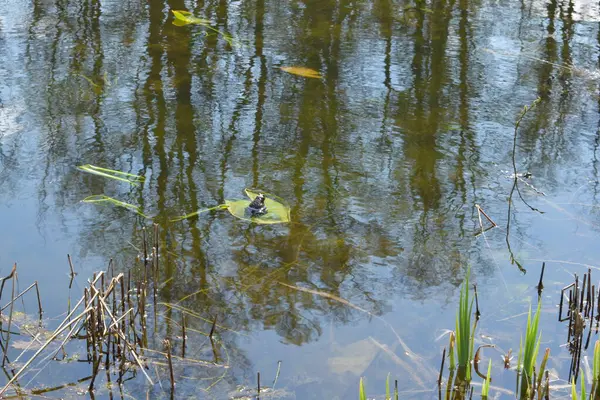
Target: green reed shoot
{"type": "Point", "coordinates": [112, 174]}
{"type": "Point", "coordinates": [531, 346]}
{"type": "Point", "coordinates": [485, 389]}
{"type": "Point", "coordinates": [583, 396]}
{"type": "Point", "coordinates": [574, 395]}
{"type": "Point", "coordinates": [452, 363]}
{"type": "Point", "coordinates": [595, 391]}
{"type": "Point", "coordinates": [542, 369]}
{"type": "Point", "coordinates": [464, 333]}
{"type": "Point", "coordinates": [387, 388]}
{"type": "Point", "coordinates": [362, 395]}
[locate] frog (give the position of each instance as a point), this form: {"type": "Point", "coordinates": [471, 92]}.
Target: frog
{"type": "Point", "coordinates": [257, 206]}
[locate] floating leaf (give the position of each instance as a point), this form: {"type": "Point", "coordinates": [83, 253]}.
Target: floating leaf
{"type": "Point", "coordinates": [112, 174]}
{"type": "Point", "coordinates": [185, 18]}
{"type": "Point", "coordinates": [278, 211]}
{"type": "Point", "coordinates": [100, 198]}
{"type": "Point", "coordinates": [302, 71]}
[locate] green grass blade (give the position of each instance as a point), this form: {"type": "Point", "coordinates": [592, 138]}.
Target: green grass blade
{"type": "Point", "coordinates": [387, 388]}
{"type": "Point", "coordinates": [583, 396]}
{"type": "Point", "coordinates": [542, 369]}
{"type": "Point", "coordinates": [112, 174]}
{"type": "Point", "coordinates": [520, 357]}
{"type": "Point", "coordinates": [464, 330]}
{"type": "Point", "coordinates": [451, 363]}
{"type": "Point", "coordinates": [596, 370]}
{"type": "Point", "coordinates": [573, 390]}
{"type": "Point", "coordinates": [361, 390]}
{"type": "Point", "coordinates": [486, 384]}
{"type": "Point", "coordinates": [532, 342]}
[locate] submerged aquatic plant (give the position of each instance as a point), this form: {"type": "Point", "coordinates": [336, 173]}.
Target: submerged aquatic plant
{"type": "Point", "coordinates": [302, 71]}
{"type": "Point", "coordinates": [183, 18]}
{"type": "Point", "coordinates": [112, 174]}
{"type": "Point", "coordinates": [100, 198]}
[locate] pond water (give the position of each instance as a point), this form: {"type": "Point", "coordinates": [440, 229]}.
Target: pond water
{"type": "Point", "coordinates": [383, 161]}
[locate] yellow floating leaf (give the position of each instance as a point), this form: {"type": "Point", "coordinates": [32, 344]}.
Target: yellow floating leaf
{"type": "Point", "coordinates": [185, 17]}
{"type": "Point", "coordinates": [302, 71]}
{"type": "Point", "coordinates": [278, 211]}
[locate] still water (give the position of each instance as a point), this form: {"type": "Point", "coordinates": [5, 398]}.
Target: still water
{"type": "Point", "coordinates": [382, 160]}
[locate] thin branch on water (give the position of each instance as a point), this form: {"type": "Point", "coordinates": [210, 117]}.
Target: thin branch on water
{"type": "Point", "coordinates": [526, 109]}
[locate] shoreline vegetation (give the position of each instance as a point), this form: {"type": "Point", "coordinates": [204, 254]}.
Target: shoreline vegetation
{"type": "Point", "coordinates": [115, 321]}
{"type": "Point", "coordinates": [579, 307]}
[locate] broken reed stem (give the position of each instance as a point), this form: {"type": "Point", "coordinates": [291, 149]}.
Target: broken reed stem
{"type": "Point", "coordinates": [122, 335]}
{"type": "Point", "coordinates": [63, 327]}
{"type": "Point", "coordinates": [258, 385]}
{"type": "Point", "coordinates": [99, 318]}
{"type": "Point", "coordinates": [477, 313]}
{"type": "Point", "coordinates": [480, 210]}
{"type": "Point", "coordinates": [71, 265]}
{"type": "Point", "coordinates": [20, 295]}
{"type": "Point", "coordinates": [540, 286]}
{"type": "Point", "coordinates": [39, 298]}
{"type": "Point", "coordinates": [183, 335]}
{"type": "Point", "coordinates": [12, 272]}
{"type": "Point", "coordinates": [10, 315]}
{"type": "Point", "coordinates": [442, 367]}
{"type": "Point", "coordinates": [170, 361]}
{"type": "Point", "coordinates": [212, 329]}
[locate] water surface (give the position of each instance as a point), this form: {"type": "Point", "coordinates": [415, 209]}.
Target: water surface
{"type": "Point", "coordinates": [383, 161]}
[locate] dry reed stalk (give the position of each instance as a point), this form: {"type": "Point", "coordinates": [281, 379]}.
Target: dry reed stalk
{"type": "Point", "coordinates": [171, 373]}
{"type": "Point", "coordinates": [442, 367]}
{"type": "Point", "coordinates": [64, 325]}
{"type": "Point", "coordinates": [183, 335]}
{"type": "Point", "coordinates": [122, 335]}
{"type": "Point", "coordinates": [10, 315]}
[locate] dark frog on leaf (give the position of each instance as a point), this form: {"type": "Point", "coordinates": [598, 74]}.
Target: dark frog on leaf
{"type": "Point", "coordinates": [257, 207]}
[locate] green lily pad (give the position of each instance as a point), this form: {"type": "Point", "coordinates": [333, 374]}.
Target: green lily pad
{"type": "Point", "coordinates": [278, 212]}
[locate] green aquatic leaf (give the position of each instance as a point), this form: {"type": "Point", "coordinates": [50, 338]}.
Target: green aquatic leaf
{"type": "Point", "coordinates": [112, 174]}
{"type": "Point", "coordinates": [278, 210]}
{"type": "Point", "coordinates": [100, 198]}
{"type": "Point", "coordinates": [185, 18]}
